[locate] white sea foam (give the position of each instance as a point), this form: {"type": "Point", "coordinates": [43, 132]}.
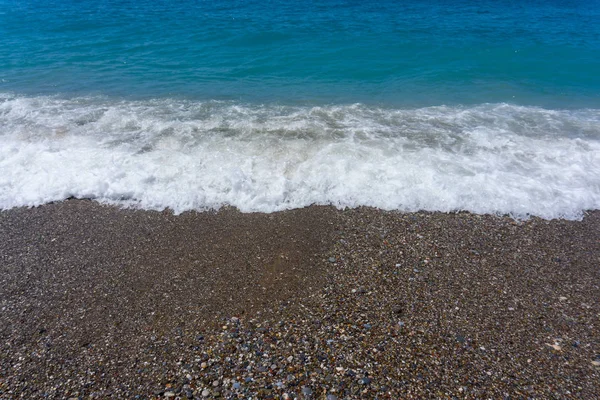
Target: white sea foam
{"type": "Point", "coordinates": [183, 155]}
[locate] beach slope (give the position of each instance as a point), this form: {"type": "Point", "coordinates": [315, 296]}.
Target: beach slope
{"type": "Point", "coordinates": [98, 301]}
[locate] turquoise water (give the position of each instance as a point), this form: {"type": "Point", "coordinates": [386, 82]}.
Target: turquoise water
{"type": "Point", "coordinates": [486, 106]}
{"type": "Point", "coordinates": [407, 53]}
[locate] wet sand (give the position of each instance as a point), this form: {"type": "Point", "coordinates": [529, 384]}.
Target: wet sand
{"type": "Point", "coordinates": [101, 302]}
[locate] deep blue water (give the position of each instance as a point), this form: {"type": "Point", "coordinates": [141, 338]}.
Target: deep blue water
{"type": "Point", "coordinates": [479, 105]}
{"type": "Point", "coordinates": [407, 53]}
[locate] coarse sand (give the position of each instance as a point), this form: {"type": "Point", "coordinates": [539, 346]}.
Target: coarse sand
{"type": "Point", "coordinates": [102, 302]}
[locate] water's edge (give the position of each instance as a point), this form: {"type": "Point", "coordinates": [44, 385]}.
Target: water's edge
{"type": "Point", "coordinates": [187, 155]}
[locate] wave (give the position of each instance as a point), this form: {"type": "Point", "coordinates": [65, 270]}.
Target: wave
{"type": "Point", "coordinates": [190, 155]}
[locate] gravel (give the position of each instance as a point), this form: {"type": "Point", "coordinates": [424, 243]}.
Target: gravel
{"type": "Point", "coordinates": [99, 302]}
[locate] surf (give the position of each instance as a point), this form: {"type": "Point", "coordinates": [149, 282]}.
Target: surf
{"type": "Point", "coordinates": [199, 155]}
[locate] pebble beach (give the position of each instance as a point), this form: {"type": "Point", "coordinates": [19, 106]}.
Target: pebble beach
{"type": "Point", "coordinates": [102, 302]}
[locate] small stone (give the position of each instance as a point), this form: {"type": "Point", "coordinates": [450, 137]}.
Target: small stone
{"type": "Point", "coordinates": [290, 359]}
{"type": "Point", "coordinates": [236, 386]}
{"type": "Point", "coordinates": [596, 363]}
{"type": "Point", "coordinates": [332, 259]}
{"type": "Point", "coordinates": [332, 397]}
{"type": "Point", "coordinates": [169, 394]}
{"type": "Point", "coordinates": [306, 391]}
{"type": "Point", "coordinates": [554, 346]}
{"type": "Point", "coordinates": [365, 381]}
{"type": "Point", "coordinates": [562, 298]}
{"type": "Point", "coordinates": [203, 365]}
{"type": "Point", "coordinates": [215, 383]}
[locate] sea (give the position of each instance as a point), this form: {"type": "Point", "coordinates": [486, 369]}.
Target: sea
{"type": "Point", "coordinates": [487, 106]}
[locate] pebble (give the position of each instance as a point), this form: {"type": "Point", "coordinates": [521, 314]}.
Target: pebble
{"type": "Point", "coordinates": [306, 391]}
{"type": "Point", "coordinates": [236, 386]}
{"type": "Point", "coordinates": [365, 381]}
{"type": "Point", "coordinates": [205, 393]}
{"type": "Point", "coordinates": [331, 259]}
{"type": "Point", "coordinates": [554, 346]}
{"type": "Point", "coordinates": [332, 397]}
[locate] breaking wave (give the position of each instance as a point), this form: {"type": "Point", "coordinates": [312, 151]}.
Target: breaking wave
{"type": "Point", "coordinates": [190, 155]}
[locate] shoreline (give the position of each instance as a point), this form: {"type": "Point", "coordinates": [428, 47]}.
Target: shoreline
{"type": "Point", "coordinates": [312, 302]}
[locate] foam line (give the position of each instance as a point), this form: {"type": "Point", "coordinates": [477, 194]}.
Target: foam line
{"type": "Point", "coordinates": [490, 158]}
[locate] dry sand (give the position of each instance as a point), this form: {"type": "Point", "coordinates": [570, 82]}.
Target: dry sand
{"type": "Point", "coordinates": [101, 302]}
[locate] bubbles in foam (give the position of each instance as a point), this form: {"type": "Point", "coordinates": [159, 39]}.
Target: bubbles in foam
{"type": "Point", "coordinates": [491, 158]}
